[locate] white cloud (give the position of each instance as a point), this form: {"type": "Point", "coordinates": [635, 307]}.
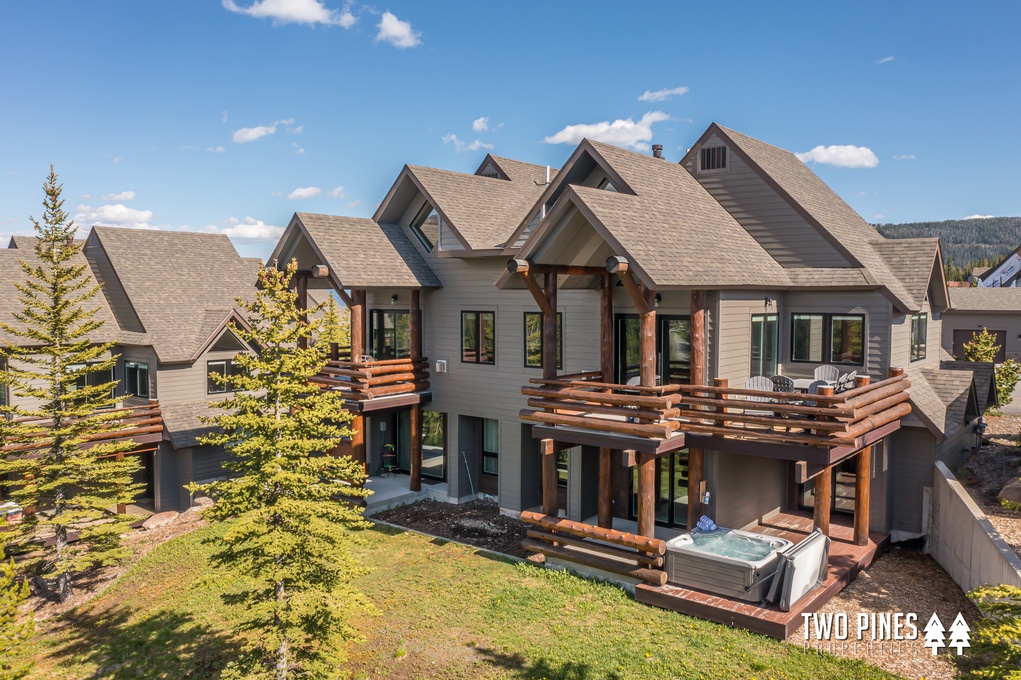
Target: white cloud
{"type": "Point", "coordinates": [905, 157]}
{"type": "Point", "coordinates": [295, 12]}
{"type": "Point", "coordinates": [396, 32]}
{"type": "Point", "coordinates": [353, 204]}
{"type": "Point", "coordinates": [885, 60]}
{"type": "Point", "coordinates": [299, 151]}
{"type": "Point", "coordinates": [847, 156]}
{"type": "Point", "coordinates": [115, 215]}
{"type": "Point", "coordinates": [223, 116]}
{"type": "Point", "coordinates": [978, 217]}
{"type": "Point", "coordinates": [480, 124]}
{"type": "Point", "coordinates": [251, 134]}
{"type": "Point", "coordinates": [879, 216]}
{"type": "Point", "coordinates": [215, 149]}
{"type": "Point", "coordinates": [117, 160]}
{"type": "Point", "coordinates": [662, 95]}
{"type": "Point", "coordinates": [251, 228]}
{"type": "Point", "coordinates": [460, 145]}
{"type": "Point", "coordinates": [624, 132]}
{"type": "Point", "coordinates": [86, 197]}
{"type": "Point", "coordinates": [296, 130]}
{"type": "Point", "coordinates": [304, 192]}
{"type": "Point", "coordinates": [120, 197]}
{"type": "Point", "coordinates": [338, 192]}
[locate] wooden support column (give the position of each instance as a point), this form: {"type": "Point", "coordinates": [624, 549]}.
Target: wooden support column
{"type": "Point", "coordinates": [415, 323]}
{"type": "Point", "coordinates": [646, 510]}
{"type": "Point", "coordinates": [862, 485]}
{"type": "Point", "coordinates": [301, 289]}
{"type": "Point", "coordinates": [547, 452]}
{"type": "Point", "coordinates": [696, 457]}
{"type": "Point", "coordinates": [357, 325]}
{"type": "Point", "coordinates": [358, 441]}
{"type": "Point", "coordinates": [823, 502]}
{"type": "Point", "coordinates": [647, 339]}
{"type": "Point", "coordinates": [605, 509]}
{"type": "Point", "coordinates": [549, 329]}
{"type": "Point", "coordinates": [415, 484]}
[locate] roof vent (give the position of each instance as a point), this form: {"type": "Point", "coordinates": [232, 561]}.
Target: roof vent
{"type": "Point", "coordinates": [657, 150]}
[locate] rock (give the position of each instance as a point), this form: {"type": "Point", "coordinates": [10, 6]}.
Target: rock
{"type": "Point", "coordinates": [1011, 491]}
{"type": "Point", "coordinates": [160, 519]}
{"type": "Point", "coordinates": [202, 502]}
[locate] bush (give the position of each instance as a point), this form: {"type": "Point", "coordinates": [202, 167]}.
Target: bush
{"type": "Point", "coordinates": [996, 640]}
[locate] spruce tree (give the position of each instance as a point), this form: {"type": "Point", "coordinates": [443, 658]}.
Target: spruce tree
{"type": "Point", "coordinates": [289, 536]}
{"type": "Point", "coordinates": [53, 464]}
{"type": "Point", "coordinates": [16, 627]}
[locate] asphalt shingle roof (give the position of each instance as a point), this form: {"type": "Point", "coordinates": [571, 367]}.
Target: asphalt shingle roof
{"type": "Point", "coordinates": [985, 299]}
{"type": "Point", "coordinates": [983, 373]}
{"type": "Point", "coordinates": [485, 211]}
{"type": "Point", "coordinates": [182, 424]}
{"type": "Point", "coordinates": [364, 254]}
{"type": "Point", "coordinates": [910, 260]}
{"type": "Point", "coordinates": [176, 282]}
{"type": "Point", "coordinates": [941, 397]}
{"type": "Point", "coordinates": [520, 171]}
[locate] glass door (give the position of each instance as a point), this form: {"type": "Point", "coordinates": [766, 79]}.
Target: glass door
{"type": "Point", "coordinates": [673, 349]}
{"type": "Point", "coordinates": [843, 489]}
{"type": "Point", "coordinates": [671, 490]}
{"type": "Point", "coordinates": [390, 336]}
{"type": "Point", "coordinates": [401, 424]}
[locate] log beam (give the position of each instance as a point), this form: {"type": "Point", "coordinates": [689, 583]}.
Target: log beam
{"type": "Point", "coordinates": [862, 486]}
{"type": "Point", "coordinates": [415, 483]}
{"type": "Point", "coordinates": [604, 512]}
{"type": "Point", "coordinates": [358, 441]}
{"type": "Point", "coordinates": [823, 500]}
{"type": "Point", "coordinates": [547, 453]}
{"type": "Point", "coordinates": [646, 510]}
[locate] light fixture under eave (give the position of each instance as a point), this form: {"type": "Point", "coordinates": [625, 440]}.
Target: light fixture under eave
{"type": "Point", "coordinates": [769, 302]}
{"type": "Point", "coordinates": [658, 299]}
{"type": "Point", "coordinates": [393, 299]}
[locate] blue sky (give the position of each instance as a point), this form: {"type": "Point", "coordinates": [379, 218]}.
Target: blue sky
{"type": "Point", "coordinates": [230, 116]}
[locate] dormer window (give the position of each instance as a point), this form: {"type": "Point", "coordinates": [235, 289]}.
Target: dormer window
{"type": "Point", "coordinates": [426, 226]}
{"type": "Point", "coordinates": [713, 158]}
{"type": "Point", "coordinates": [607, 185]}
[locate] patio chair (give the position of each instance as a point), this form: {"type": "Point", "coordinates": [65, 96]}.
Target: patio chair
{"type": "Point", "coordinates": [759, 383]}
{"type": "Point", "coordinates": [827, 373]}
{"type": "Point", "coordinates": [846, 382]}
{"type": "Point", "coordinates": [782, 383]}
{"type": "Point", "coordinates": [814, 389]}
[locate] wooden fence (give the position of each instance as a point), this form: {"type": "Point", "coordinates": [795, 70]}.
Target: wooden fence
{"type": "Point", "coordinates": [141, 424]}
{"type": "Point", "coordinates": [364, 380]}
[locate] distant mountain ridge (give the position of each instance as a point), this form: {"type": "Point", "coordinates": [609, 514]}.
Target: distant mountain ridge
{"type": "Point", "coordinates": [964, 241]}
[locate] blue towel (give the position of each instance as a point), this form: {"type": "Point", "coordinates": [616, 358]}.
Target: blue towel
{"type": "Point", "coordinates": [706, 524]}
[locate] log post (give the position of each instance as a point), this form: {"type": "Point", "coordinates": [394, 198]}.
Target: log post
{"type": "Point", "coordinates": [896, 372]}
{"type": "Point", "coordinates": [549, 329]}
{"type": "Point", "coordinates": [415, 483]}
{"type": "Point", "coordinates": [647, 339]}
{"type": "Point", "coordinates": [862, 486]}
{"type": "Point", "coordinates": [604, 512]}
{"type": "Point", "coordinates": [646, 510]}
{"type": "Point", "coordinates": [696, 457]}
{"type": "Point", "coordinates": [357, 325]}
{"type": "Point", "coordinates": [823, 500]}
{"type": "Point", "coordinates": [358, 441]}
{"type": "Point", "coordinates": [415, 324]}
{"type": "Point", "coordinates": [547, 451]}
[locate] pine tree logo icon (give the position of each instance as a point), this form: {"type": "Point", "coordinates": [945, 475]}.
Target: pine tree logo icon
{"type": "Point", "coordinates": [934, 634]}
{"type": "Point", "coordinates": [959, 635]}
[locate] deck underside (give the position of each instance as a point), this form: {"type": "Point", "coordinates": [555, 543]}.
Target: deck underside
{"type": "Point", "coordinates": [846, 562]}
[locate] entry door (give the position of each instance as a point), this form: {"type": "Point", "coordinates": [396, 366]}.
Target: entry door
{"type": "Point", "coordinates": [844, 478]}
{"type": "Point", "coordinates": [671, 490]}
{"type": "Point", "coordinates": [400, 423]}
{"type": "Point", "coordinates": [673, 349]}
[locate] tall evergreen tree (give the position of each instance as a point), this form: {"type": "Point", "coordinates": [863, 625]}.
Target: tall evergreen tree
{"type": "Point", "coordinates": [290, 536]}
{"type": "Point", "coordinates": [55, 467]}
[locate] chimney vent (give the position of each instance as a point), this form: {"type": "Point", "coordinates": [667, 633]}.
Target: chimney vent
{"type": "Point", "coordinates": [657, 150]}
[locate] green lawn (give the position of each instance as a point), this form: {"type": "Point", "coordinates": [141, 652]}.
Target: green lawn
{"type": "Point", "coordinates": [444, 611]}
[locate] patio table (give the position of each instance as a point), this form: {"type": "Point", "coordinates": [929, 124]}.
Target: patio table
{"type": "Point", "coordinates": [802, 384]}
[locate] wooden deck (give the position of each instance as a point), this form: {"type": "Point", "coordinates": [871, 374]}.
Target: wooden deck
{"type": "Point", "coordinates": [846, 562]}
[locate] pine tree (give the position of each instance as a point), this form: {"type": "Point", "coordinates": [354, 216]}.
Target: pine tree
{"type": "Point", "coordinates": [15, 627]}
{"type": "Point", "coordinates": [289, 536]}
{"type": "Point", "coordinates": [73, 484]}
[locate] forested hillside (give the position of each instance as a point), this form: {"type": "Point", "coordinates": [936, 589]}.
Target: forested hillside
{"type": "Point", "coordinates": [965, 242]}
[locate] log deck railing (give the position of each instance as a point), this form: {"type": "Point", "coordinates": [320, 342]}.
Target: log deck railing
{"type": "Point", "coordinates": [582, 400]}
{"type": "Point", "coordinates": [366, 380]}
{"type": "Point", "coordinates": [140, 424]}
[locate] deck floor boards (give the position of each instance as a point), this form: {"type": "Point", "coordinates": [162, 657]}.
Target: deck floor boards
{"type": "Point", "coordinates": [846, 562]}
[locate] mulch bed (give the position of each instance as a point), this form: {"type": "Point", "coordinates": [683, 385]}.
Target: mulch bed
{"type": "Point", "coordinates": [985, 472]}
{"type": "Point", "coordinates": [479, 524]}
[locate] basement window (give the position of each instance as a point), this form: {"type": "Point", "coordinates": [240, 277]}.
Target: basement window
{"type": "Point", "coordinates": [713, 158]}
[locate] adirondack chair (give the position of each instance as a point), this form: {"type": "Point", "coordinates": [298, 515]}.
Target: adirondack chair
{"type": "Point", "coordinates": [846, 382]}
{"type": "Point", "coordinates": [762, 384]}
{"type": "Point", "coordinates": [827, 373]}
{"type": "Point", "coordinates": [782, 383]}
{"type": "Point", "coordinates": [814, 389]}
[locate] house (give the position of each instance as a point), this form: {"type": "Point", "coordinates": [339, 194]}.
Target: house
{"type": "Point", "coordinates": [1006, 274]}
{"type": "Point", "coordinates": [170, 329]}
{"type": "Point", "coordinates": [997, 310]}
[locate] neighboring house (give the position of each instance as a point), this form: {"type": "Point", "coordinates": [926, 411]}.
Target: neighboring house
{"type": "Point", "coordinates": [997, 310]}
{"type": "Point", "coordinates": [1006, 274]}
{"type": "Point", "coordinates": [167, 299]}
{"type": "Point", "coordinates": [740, 235]}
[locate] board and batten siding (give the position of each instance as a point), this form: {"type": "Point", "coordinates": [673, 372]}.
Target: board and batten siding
{"type": "Point", "coordinates": [975, 321]}
{"type": "Point", "coordinates": [770, 220]}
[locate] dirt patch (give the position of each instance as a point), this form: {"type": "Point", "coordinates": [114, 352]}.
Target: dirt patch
{"type": "Point", "coordinates": [479, 524]}
{"type": "Point", "coordinates": [92, 583]}
{"type": "Point", "coordinates": [986, 471]}
{"type": "Point", "coordinates": [900, 581]}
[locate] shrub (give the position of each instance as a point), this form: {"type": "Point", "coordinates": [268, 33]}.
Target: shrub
{"type": "Point", "coordinates": [996, 640]}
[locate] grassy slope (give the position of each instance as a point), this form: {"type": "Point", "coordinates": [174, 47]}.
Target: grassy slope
{"type": "Point", "coordinates": [444, 611]}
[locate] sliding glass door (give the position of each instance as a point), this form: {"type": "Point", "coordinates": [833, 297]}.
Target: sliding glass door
{"type": "Point", "coordinates": [673, 349]}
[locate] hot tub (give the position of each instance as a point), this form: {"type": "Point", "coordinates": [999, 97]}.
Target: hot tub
{"type": "Point", "coordinates": [727, 562]}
